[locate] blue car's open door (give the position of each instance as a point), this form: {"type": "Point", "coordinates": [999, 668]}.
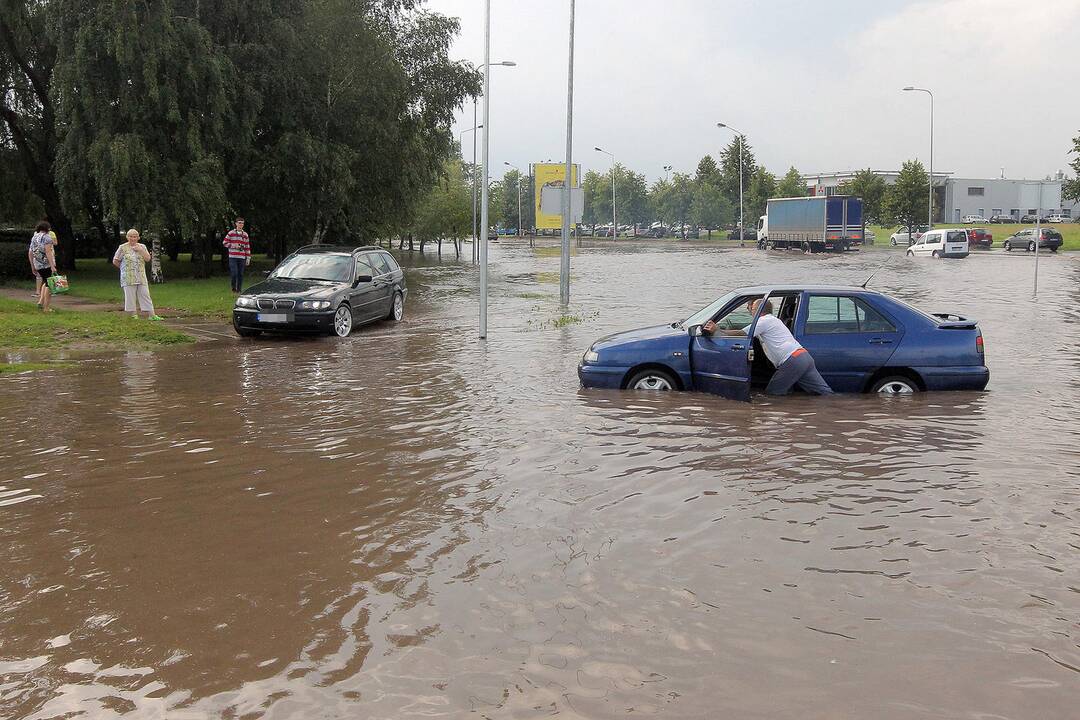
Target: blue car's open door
{"type": "Point", "coordinates": [721, 363]}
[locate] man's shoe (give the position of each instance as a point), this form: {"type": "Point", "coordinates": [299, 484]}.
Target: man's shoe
{"type": "Point", "coordinates": [156, 317]}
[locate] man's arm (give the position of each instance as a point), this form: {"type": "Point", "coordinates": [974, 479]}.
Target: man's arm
{"type": "Point", "coordinates": [711, 327]}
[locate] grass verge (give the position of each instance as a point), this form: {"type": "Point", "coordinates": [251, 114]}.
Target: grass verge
{"type": "Point", "coordinates": [23, 325]}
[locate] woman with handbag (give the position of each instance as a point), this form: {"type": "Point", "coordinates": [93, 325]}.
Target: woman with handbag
{"type": "Point", "coordinates": [43, 262]}
{"type": "Point", "coordinates": [131, 257]}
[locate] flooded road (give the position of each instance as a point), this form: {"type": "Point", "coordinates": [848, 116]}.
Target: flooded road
{"type": "Point", "coordinates": [413, 523]}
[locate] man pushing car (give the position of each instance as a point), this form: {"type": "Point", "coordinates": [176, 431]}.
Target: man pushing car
{"type": "Point", "coordinates": [794, 365]}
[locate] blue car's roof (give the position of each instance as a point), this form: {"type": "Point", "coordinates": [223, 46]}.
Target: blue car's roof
{"type": "Point", "coordinates": [762, 289]}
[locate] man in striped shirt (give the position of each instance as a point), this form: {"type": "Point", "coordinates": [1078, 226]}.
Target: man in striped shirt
{"type": "Point", "coordinates": [239, 247]}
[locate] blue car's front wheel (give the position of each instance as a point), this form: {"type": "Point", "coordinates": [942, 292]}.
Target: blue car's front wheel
{"type": "Point", "coordinates": [651, 379]}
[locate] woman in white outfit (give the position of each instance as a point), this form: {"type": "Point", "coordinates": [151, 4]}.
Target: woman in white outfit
{"type": "Point", "coordinates": [131, 257]}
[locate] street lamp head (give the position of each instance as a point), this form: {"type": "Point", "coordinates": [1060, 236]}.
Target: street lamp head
{"type": "Point", "coordinates": [910, 87]}
{"type": "Point", "coordinates": [721, 125]}
{"type": "Point", "coordinates": [598, 149]}
{"type": "Point", "coordinates": [507, 63]}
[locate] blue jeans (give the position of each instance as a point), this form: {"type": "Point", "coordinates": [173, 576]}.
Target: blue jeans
{"type": "Point", "coordinates": [236, 273]}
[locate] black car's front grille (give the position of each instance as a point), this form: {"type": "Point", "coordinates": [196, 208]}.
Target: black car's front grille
{"type": "Point", "coordinates": [266, 304]}
{"type": "Point", "coordinates": [286, 304]}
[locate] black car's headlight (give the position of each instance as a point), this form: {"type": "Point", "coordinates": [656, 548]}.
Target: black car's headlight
{"type": "Point", "coordinates": [245, 302]}
{"type": "Point", "coordinates": [590, 356]}
{"type": "Point", "coordinates": [314, 305]}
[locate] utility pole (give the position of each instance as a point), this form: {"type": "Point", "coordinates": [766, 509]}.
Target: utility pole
{"type": "Point", "coordinates": [564, 266]}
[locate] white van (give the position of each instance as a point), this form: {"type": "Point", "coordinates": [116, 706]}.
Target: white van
{"type": "Point", "coordinates": [943, 243]}
{"type": "Point", "coordinates": [1057, 218]}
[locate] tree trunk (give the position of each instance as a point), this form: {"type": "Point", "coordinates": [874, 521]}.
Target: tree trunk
{"type": "Point", "coordinates": [457, 248]}
{"type": "Point", "coordinates": [411, 243]}
{"type": "Point", "coordinates": [439, 241]}
{"type": "Point", "coordinates": [155, 259]}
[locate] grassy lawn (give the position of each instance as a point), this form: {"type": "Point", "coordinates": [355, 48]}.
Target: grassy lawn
{"type": "Point", "coordinates": [23, 325]}
{"type": "Point", "coordinates": [98, 280]}
{"type": "Point", "coordinates": [1070, 232]}
{"type": "Point", "coordinates": [19, 367]}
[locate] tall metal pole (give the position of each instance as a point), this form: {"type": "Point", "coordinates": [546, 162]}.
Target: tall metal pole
{"type": "Point", "coordinates": [930, 199]}
{"type": "Point", "coordinates": [484, 174]}
{"type": "Point", "coordinates": [474, 250]}
{"type": "Point", "coordinates": [564, 266]}
{"type": "Point", "coordinates": [741, 229]}
{"type": "Point", "coordinates": [1038, 237]}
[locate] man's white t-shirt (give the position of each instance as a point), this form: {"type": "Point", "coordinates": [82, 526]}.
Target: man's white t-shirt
{"type": "Point", "coordinates": [775, 338]}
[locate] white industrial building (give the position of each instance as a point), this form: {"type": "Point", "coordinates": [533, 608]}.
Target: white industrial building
{"type": "Point", "coordinates": [956, 197]}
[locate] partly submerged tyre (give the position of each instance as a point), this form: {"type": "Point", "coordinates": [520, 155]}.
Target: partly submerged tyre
{"type": "Point", "coordinates": [895, 385]}
{"type": "Point", "coordinates": [245, 332]}
{"type": "Point", "coordinates": [935, 254]}
{"type": "Point", "coordinates": [397, 309]}
{"type": "Point", "coordinates": [343, 320]}
{"type": "Point", "coordinates": [651, 379]}
{"type": "Point", "coordinates": [910, 253]}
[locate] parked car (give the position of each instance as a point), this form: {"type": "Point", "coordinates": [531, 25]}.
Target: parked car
{"type": "Point", "coordinates": [861, 341]}
{"type": "Point", "coordinates": [1025, 239]}
{"type": "Point", "coordinates": [980, 237]}
{"type": "Point", "coordinates": [1034, 218]}
{"type": "Point", "coordinates": [1058, 219]}
{"type": "Point", "coordinates": [1002, 219]}
{"type": "Point", "coordinates": [969, 219]}
{"type": "Point", "coordinates": [905, 237]}
{"type": "Point", "coordinates": [748, 234]}
{"type": "Point", "coordinates": [941, 243]}
{"type": "Point", "coordinates": [323, 288]}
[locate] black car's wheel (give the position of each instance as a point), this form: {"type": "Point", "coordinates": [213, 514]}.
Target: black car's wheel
{"type": "Point", "coordinates": [651, 379]}
{"type": "Point", "coordinates": [1007, 246]}
{"type": "Point", "coordinates": [397, 309]}
{"type": "Point", "coordinates": [343, 321]}
{"type": "Point", "coordinates": [895, 385]}
{"type": "Point", "coordinates": [245, 332]}
{"type": "Point", "coordinates": [1031, 246]}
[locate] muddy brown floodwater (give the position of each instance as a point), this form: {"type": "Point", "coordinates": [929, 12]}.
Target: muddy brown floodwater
{"type": "Point", "coordinates": [411, 523]}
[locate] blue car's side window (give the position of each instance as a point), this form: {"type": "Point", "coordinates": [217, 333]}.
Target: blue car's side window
{"type": "Point", "coordinates": [827, 314]}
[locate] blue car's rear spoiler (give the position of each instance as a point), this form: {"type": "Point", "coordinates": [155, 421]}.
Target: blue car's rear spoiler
{"type": "Point", "coordinates": [951, 321]}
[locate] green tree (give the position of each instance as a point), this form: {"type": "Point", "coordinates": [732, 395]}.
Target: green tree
{"type": "Point", "coordinates": [708, 172]}
{"type": "Point", "coordinates": [791, 185]}
{"type": "Point", "coordinates": [709, 207]}
{"type": "Point", "coordinates": [596, 188]}
{"type": "Point", "coordinates": [512, 183]}
{"type": "Point", "coordinates": [905, 200]}
{"type": "Point", "coordinates": [1071, 188]}
{"type": "Point", "coordinates": [871, 188]}
{"type": "Point", "coordinates": [677, 201]}
{"type": "Point", "coordinates": [28, 53]}
{"type": "Point", "coordinates": [730, 169]}
{"type": "Point", "coordinates": [632, 202]}
{"type": "Point", "coordinates": [445, 210]}
{"type": "Point", "coordinates": [762, 187]}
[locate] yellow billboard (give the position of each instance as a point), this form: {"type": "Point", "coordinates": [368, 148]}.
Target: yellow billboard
{"type": "Point", "coordinates": [550, 175]}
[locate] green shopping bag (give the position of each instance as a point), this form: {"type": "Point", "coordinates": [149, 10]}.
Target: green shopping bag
{"type": "Point", "coordinates": [58, 284]}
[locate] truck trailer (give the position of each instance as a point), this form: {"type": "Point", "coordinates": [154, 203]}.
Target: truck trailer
{"type": "Point", "coordinates": [812, 224]}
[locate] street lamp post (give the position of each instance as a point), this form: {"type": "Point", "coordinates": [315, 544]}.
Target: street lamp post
{"type": "Point", "coordinates": [930, 201]}
{"type": "Point", "coordinates": [740, 134]}
{"type": "Point", "coordinates": [483, 240]}
{"type": "Point", "coordinates": [614, 227]}
{"type": "Point", "coordinates": [568, 178]}
{"type": "Point", "coordinates": [460, 136]}
{"type": "Point", "coordinates": [519, 195]}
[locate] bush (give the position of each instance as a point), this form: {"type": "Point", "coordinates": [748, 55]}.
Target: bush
{"type": "Point", "coordinates": [13, 260]}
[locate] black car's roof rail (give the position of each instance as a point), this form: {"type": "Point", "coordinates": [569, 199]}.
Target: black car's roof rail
{"type": "Point", "coordinates": [338, 248]}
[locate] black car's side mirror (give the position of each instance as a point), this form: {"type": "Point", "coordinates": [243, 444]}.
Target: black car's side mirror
{"type": "Point", "coordinates": [362, 279]}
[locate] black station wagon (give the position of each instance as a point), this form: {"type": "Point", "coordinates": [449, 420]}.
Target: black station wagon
{"type": "Point", "coordinates": [322, 288]}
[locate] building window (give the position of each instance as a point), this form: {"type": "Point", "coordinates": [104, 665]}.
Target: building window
{"type": "Point", "coordinates": [1064, 213]}
{"type": "Point", "coordinates": [1015, 212]}
{"type": "Point", "coordinates": [1031, 211]}
{"type": "Point", "coordinates": [976, 191]}
{"type": "Point", "coordinates": [995, 211]}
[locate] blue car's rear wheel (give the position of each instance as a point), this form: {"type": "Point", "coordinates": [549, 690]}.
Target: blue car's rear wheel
{"type": "Point", "coordinates": [895, 385]}
{"type": "Point", "coordinates": [651, 379]}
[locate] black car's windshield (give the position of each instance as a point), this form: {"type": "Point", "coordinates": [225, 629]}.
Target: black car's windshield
{"type": "Point", "coordinates": [330, 268]}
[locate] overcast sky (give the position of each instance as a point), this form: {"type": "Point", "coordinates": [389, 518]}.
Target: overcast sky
{"type": "Point", "coordinates": [816, 85]}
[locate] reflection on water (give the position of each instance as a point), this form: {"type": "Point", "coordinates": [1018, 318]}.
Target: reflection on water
{"type": "Point", "coordinates": [410, 522]}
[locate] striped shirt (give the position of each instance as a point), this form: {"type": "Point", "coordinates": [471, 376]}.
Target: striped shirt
{"type": "Point", "coordinates": [237, 244]}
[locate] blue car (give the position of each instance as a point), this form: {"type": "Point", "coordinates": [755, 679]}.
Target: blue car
{"type": "Point", "coordinates": [861, 341]}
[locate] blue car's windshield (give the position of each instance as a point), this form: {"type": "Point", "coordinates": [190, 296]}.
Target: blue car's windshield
{"type": "Point", "coordinates": [332, 268]}
{"type": "Point", "coordinates": [705, 314]}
